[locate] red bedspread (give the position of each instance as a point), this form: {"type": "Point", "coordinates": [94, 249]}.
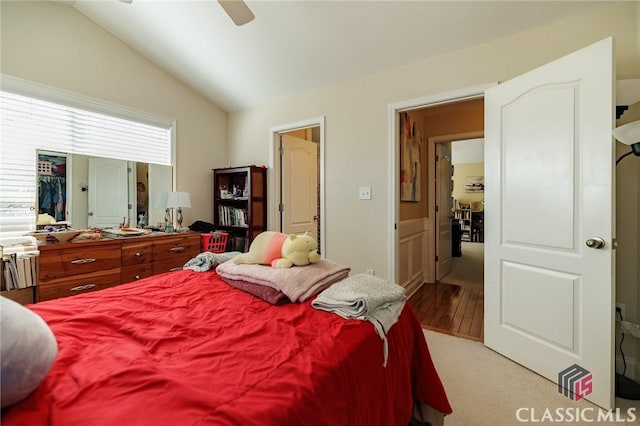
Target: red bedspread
{"type": "Point", "coordinates": [185, 348]}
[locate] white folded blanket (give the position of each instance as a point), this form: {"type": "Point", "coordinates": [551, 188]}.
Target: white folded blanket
{"type": "Point", "coordinates": [298, 283]}
{"type": "Point", "coordinates": [365, 297]}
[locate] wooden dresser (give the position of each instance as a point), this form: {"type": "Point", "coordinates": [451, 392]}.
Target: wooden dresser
{"type": "Point", "coordinates": [72, 268]}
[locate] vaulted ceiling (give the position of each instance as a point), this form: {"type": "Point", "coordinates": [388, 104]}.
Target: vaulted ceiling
{"type": "Point", "coordinates": [296, 46]}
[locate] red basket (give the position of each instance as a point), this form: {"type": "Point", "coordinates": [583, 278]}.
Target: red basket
{"type": "Point", "coordinates": [215, 242]}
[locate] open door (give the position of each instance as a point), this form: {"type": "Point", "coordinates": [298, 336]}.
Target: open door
{"type": "Point", "coordinates": [443, 209]}
{"type": "Point", "coordinates": [549, 287]}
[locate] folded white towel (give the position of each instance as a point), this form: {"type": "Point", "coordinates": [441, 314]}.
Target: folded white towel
{"type": "Point", "coordinates": [365, 297]}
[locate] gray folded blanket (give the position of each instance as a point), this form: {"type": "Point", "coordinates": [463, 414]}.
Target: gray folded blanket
{"type": "Point", "coordinates": [365, 297]}
{"type": "Point", "coordinates": [207, 260]}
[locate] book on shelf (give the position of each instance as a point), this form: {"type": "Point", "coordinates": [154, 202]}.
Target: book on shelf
{"type": "Point", "coordinates": [232, 216]}
{"type": "Point", "coordinates": [19, 270]}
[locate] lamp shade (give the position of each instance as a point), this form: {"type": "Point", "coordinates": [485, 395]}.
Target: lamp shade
{"type": "Point", "coordinates": [629, 133]}
{"type": "Point", "coordinates": [178, 200]}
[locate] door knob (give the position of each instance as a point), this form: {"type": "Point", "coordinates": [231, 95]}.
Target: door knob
{"type": "Point", "coordinates": [595, 243]}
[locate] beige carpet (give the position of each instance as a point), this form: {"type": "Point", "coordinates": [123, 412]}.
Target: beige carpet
{"type": "Point", "coordinates": [485, 388]}
{"type": "Point", "coordinates": [468, 269]}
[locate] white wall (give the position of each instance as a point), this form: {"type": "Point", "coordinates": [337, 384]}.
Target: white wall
{"type": "Point", "coordinates": [467, 151]}
{"type": "Point", "coordinates": [357, 114]}
{"type": "Point", "coordinates": [53, 44]}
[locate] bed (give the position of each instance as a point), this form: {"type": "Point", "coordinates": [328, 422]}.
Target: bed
{"type": "Point", "coordinates": [186, 348]}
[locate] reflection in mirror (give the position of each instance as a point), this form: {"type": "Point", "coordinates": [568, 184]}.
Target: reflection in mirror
{"type": "Point", "coordinates": [52, 188]}
{"type": "Point", "coordinates": [102, 193]}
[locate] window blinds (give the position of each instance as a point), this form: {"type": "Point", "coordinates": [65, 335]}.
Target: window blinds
{"type": "Point", "coordinates": [29, 124]}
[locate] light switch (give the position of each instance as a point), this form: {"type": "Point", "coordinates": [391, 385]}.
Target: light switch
{"type": "Point", "coordinates": [365, 192]}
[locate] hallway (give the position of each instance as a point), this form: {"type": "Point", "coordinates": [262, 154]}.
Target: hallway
{"type": "Point", "coordinates": [468, 269]}
{"type": "Point", "coordinates": [455, 305]}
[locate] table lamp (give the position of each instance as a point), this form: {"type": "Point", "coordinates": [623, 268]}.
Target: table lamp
{"type": "Point", "coordinates": [178, 201]}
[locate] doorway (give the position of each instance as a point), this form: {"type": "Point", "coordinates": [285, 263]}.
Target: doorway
{"type": "Point", "coordinates": [449, 297]}
{"type": "Point", "coordinates": [466, 212]}
{"type": "Point", "coordinates": [297, 179]}
{"type": "Point", "coordinates": [456, 295]}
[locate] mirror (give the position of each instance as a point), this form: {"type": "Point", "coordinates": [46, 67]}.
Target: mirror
{"type": "Point", "coordinates": [94, 192]}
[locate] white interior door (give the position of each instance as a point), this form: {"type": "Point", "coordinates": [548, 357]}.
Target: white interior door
{"type": "Point", "coordinates": [549, 298]}
{"type": "Point", "coordinates": [108, 192]}
{"type": "Point", "coordinates": [299, 180]}
{"type": "Point", "coordinates": [443, 209]}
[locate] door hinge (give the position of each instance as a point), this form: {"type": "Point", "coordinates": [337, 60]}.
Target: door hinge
{"type": "Point", "coordinates": [130, 206]}
{"type": "Point", "coordinates": [129, 170]}
{"type": "Point", "coordinates": [436, 208]}
{"type": "Point", "coordinates": [436, 257]}
{"type": "Point", "coordinates": [280, 207]}
{"type": "Point", "coordinates": [281, 151]}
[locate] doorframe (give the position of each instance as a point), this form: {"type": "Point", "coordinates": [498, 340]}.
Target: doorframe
{"type": "Point", "coordinates": [274, 172]}
{"type": "Point", "coordinates": [431, 197]}
{"type": "Point", "coordinates": [395, 109]}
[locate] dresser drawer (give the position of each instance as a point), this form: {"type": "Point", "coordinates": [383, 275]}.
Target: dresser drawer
{"type": "Point", "coordinates": [72, 261]}
{"type": "Point", "coordinates": [137, 253]}
{"type": "Point", "coordinates": [167, 266]}
{"type": "Point", "coordinates": [79, 284]}
{"type": "Point", "coordinates": [179, 249]}
{"type": "Point", "coordinates": [136, 272]}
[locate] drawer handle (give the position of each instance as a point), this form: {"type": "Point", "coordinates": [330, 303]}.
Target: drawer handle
{"type": "Point", "coordinates": [176, 249]}
{"type": "Point", "coordinates": [137, 277]}
{"type": "Point", "coordinates": [82, 261]}
{"type": "Point", "coordinates": [83, 287]}
{"type": "Point", "coordinates": [138, 254]}
{"type": "Point", "coordinates": [178, 268]}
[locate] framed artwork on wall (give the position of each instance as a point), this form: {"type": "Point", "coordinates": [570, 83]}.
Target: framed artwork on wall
{"type": "Point", "coordinates": [474, 184]}
{"type": "Point", "coordinates": [410, 141]}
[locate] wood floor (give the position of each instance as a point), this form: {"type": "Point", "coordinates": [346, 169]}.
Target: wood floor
{"type": "Point", "coordinates": [455, 305]}
{"type": "Point", "coordinates": [451, 309]}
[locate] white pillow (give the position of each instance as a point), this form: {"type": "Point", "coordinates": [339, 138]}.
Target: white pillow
{"type": "Point", "coordinates": [28, 349]}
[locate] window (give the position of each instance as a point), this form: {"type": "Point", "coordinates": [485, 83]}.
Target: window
{"type": "Point", "coordinates": [31, 123]}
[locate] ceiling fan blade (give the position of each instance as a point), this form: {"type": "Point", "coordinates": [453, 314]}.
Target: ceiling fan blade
{"type": "Point", "coordinates": [238, 11]}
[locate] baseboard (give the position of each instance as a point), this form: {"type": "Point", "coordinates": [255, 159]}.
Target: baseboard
{"type": "Point", "coordinates": [631, 367]}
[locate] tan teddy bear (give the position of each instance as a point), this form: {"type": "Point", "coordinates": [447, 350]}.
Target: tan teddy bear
{"type": "Point", "coordinates": [280, 250]}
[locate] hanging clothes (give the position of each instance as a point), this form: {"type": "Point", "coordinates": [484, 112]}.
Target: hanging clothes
{"type": "Point", "coordinates": [60, 203]}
